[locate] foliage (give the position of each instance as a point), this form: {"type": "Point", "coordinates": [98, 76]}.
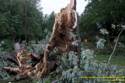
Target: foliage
{"type": "Point", "coordinates": [100, 43]}
{"type": "Point", "coordinates": [6, 45]}
{"type": "Point", "coordinates": [89, 67]}
{"type": "Point", "coordinates": [3, 62]}
{"type": "Point", "coordinates": [69, 72]}
{"type": "Point", "coordinates": [20, 19]}
{"type": "Point", "coordinates": [101, 15]}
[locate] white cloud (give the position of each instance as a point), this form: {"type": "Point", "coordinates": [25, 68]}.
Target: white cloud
{"type": "Point", "coordinates": [55, 5]}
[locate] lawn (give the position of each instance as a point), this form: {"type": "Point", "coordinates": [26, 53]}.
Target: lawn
{"type": "Point", "coordinates": [116, 60]}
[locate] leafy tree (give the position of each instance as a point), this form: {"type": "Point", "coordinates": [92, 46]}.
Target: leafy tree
{"type": "Point", "coordinates": [103, 14]}
{"type": "Point", "coordinates": [20, 19]}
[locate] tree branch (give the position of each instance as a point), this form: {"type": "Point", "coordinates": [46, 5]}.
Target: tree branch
{"type": "Point", "coordinates": [115, 46]}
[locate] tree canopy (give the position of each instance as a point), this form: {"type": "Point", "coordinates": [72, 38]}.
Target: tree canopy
{"type": "Point", "coordinates": [103, 14]}
{"type": "Point", "coordinates": [21, 19]}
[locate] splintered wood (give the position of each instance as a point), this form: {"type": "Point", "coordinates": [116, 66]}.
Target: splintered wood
{"type": "Point", "coordinates": [63, 38]}
{"type": "Point", "coordinates": [25, 68]}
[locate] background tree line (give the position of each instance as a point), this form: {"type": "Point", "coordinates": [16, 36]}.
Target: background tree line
{"type": "Point", "coordinates": [21, 19]}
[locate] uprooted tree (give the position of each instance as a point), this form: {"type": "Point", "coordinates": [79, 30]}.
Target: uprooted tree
{"type": "Point", "coordinates": [63, 38]}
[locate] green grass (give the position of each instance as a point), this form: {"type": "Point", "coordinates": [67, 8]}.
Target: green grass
{"type": "Point", "coordinates": [116, 60]}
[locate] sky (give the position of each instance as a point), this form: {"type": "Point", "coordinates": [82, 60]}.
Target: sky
{"type": "Point", "coordinates": [49, 6]}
